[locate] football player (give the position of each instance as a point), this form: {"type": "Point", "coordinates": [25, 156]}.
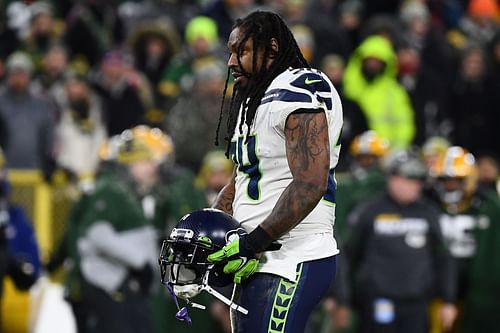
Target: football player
{"type": "Point", "coordinates": [284, 123]}
{"type": "Point", "coordinates": [470, 225]}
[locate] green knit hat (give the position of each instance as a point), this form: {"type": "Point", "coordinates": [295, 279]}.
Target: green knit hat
{"type": "Point", "coordinates": [201, 26]}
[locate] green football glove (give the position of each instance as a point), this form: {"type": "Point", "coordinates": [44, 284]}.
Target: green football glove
{"type": "Point", "coordinates": [241, 258]}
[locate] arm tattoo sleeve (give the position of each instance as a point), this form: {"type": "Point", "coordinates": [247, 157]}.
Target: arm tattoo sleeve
{"type": "Point", "coordinates": [308, 153]}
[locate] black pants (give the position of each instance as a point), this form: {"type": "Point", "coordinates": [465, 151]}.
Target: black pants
{"type": "Point", "coordinates": [394, 316]}
{"type": "Point", "coordinates": [126, 311]}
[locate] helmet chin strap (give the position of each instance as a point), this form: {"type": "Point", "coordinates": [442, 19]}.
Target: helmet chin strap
{"type": "Point", "coordinates": [182, 313]}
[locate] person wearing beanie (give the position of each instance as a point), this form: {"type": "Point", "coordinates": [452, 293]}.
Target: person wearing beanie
{"type": "Point", "coordinates": [27, 144]}
{"type": "Point", "coordinates": [201, 45]}
{"type": "Point", "coordinates": [484, 8]}
{"type": "Point", "coordinates": [480, 24]}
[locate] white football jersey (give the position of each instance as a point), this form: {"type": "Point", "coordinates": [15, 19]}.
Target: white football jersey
{"type": "Point", "coordinates": [263, 172]}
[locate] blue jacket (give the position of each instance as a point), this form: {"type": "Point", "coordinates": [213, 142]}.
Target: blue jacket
{"type": "Point", "coordinates": [21, 240]}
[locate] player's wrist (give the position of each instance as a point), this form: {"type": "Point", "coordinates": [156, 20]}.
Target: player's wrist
{"type": "Point", "coordinates": [258, 240]}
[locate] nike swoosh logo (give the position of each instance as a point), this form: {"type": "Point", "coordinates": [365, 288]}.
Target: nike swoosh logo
{"type": "Point", "coordinates": [307, 81]}
{"type": "Point", "coordinates": [244, 260]}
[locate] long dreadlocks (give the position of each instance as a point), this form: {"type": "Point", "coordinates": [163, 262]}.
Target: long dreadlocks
{"type": "Point", "coordinates": [261, 27]}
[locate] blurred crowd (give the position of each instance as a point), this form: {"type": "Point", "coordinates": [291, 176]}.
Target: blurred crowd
{"type": "Point", "coordinates": [122, 99]}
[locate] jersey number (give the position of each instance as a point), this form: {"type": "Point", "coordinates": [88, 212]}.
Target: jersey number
{"type": "Point", "coordinates": [250, 166]}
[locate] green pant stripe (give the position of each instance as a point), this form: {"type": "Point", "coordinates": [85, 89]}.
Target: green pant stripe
{"type": "Point", "coordinates": [282, 302]}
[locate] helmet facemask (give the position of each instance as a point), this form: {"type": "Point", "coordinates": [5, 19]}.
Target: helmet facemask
{"type": "Point", "coordinates": [455, 178]}
{"type": "Point", "coordinates": [183, 261]}
{"type": "Point", "coordinates": [453, 192]}
{"type": "Point", "coordinates": [184, 266]}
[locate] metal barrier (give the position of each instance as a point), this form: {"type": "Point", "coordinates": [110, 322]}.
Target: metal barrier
{"type": "Point", "coordinates": [47, 206]}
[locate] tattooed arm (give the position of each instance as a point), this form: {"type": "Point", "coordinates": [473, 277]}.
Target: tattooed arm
{"type": "Point", "coordinates": [308, 154]}
{"type": "Point", "coordinates": [225, 198]}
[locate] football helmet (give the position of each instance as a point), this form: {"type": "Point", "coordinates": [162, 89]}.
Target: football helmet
{"type": "Point", "coordinates": [144, 143]}
{"type": "Point", "coordinates": [159, 142]}
{"type": "Point", "coordinates": [433, 149]}
{"type": "Point", "coordinates": [108, 151]}
{"type": "Point", "coordinates": [184, 266]}
{"type": "Point", "coordinates": [369, 143]}
{"type": "Point", "coordinates": [455, 176]}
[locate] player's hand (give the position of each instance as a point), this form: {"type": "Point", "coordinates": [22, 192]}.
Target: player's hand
{"type": "Point", "coordinates": [241, 258]}
{"type": "Point", "coordinates": [448, 315]}
{"type": "Point", "coordinates": [340, 315]}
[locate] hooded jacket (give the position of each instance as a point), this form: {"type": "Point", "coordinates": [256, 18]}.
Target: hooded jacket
{"type": "Point", "coordinates": [384, 101]}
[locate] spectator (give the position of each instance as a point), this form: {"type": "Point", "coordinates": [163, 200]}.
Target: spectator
{"type": "Point", "coordinates": [493, 52]}
{"type": "Point", "coordinates": [50, 80]}
{"type": "Point", "coordinates": [332, 33]}
{"type": "Point", "coordinates": [19, 257]}
{"type": "Point", "coordinates": [13, 17]}
{"type": "Point", "coordinates": [317, 19]}
{"type": "Point", "coordinates": [81, 130]}
{"type": "Point", "coordinates": [480, 24]}
{"type": "Point", "coordinates": [370, 80]}
{"type": "Point", "coordinates": [179, 12]}
{"type": "Point", "coordinates": [195, 115]}
{"type": "Point", "coordinates": [395, 245]}
{"type": "Point", "coordinates": [350, 17]}
{"type": "Point", "coordinates": [354, 120]}
{"type": "Point", "coordinates": [154, 44]}
{"type": "Point", "coordinates": [43, 32]}
{"type": "Point", "coordinates": [225, 12]}
{"type": "Point", "coordinates": [28, 119]}
{"type": "Point", "coordinates": [428, 93]}
{"type": "Point", "coordinates": [472, 92]}
{"type": "Point", "coordinates": [381, 25]}
{"type": "Point", "coordinates": [93, 28]}
{"type": "Point", "coordinates": [421, 34]}
{"type": "Point", "coordinates": [201, 45]}
{"type": "Point", "coordinates": [123, 105]}
{"type": "Point", "coordinates": [488, 178]}
{"type": "Point", "coordinates": [305, 40]}
{"type": "Point", "coordinates": [493, 56]}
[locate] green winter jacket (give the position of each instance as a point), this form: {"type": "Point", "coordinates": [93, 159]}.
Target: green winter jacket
{"type": "Point", "coordinates": [115, 237]}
